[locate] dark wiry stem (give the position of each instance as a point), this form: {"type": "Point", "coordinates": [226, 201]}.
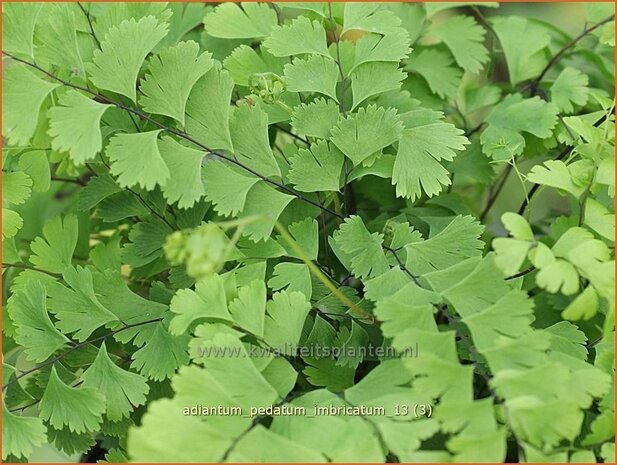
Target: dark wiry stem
{"type": "Point", "coordinates": [295, 136]}
{"type": "Point", "coordinates": [71, 180]}
{"type": "Point", "coordinates": [89, 19]}
{"type": "Point", "coordinates": [28, 267]}
{"type": "Point", "coordinates": [346, 188]}
{"type": "Point", "coordinates": [534, 189]}
{"type": "Point", "coordinates": [521, 273]}
{"type": "Point", "coordinates": [402, 265]}
{"type": "Point", "coordinates": [98, 44]}
{"type": "Point", "coordinates": [140, 198]}
{"type": "Point", "coordinates": [557, 56]}
{"type": "Point", "coordinates": [493, 196]}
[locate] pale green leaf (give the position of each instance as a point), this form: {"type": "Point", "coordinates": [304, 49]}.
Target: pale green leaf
{"type": "Point", "coordinates": [417, 167]}
{"type": "Point", "coordinates": [517, 226]}
{"type": "Point", "coordinates": [315, 7]}
{"type": "Point", "coordinates": [240, 21]}
{"type": "Point", "coordinates": [243, 63]}
{"type": "Point", "coordinates": [78, 408]}
{"type": "Point", "coordinates": [372, 79]}
{"type": "Point", "coordinates": [77, 307]}
{"type": "Point", "coordinates": [391, 47]}
{"type": "Point", "coordinates": [217, 177]}
{"type": "Point", "coordinates": [184, 18]}
{"type": "Point", "coordinates": [555, 173]}
{"type": "Point", "coordinates": [437, 69]}
{"type": "Point", "coordinates": [314, 74]}
{"type": "Point", "coordinates": [510, 316]}
{"type": "Point", "coordinates": [185, 184]}
{"type": "Point", "coordinates": [56, 38]}
{"type": "Point", "coordinates": [206, 301]}
{"type": "Point", "coordinates": [458, 241]}
{"type": "Point", "coordinates": [369, 130]}
{"type": "Point", "coordinates": [36, 165]}
{"type": "Point", "coordinates": [116, 65]}
{"type": "Point", "coordinates": [161, 355]}
{"type": "Point", "coordinates": [11, 223]}
{"type": "Point", "coordinates": [535, 421]}
{"type": "Point", "coordinates": [293, 277]}
{"type": "Point", "coordinates": [510, 254]}
{"type": "Point", "coordinates": [98, 189]}
{"type": "Point", "coordinates": [23, 94]}
{"type": "Point", "coordinates": [75, 126]}
{"type": "Point", "coordinates": [555, 274]}
{"type": "Point", "coordinates": [262, 445]}
{"type": "Point", "coordinates": [514, 115]}
{"type": "Point", "coordinates": [54, 251]}
{"type": "Point", "coordinates": [370, 17]}
{"type": "Point", "coordinates": [34, 329]}
{"type": "Point", "coordinates": [266, 204]}
{"type": "Point", "coordinates": [193, 440]}
{"type": "Point", "coordinates": [317, 168]}
{"type": "Point", "coordinates": [405, 438]}
{"type": "Point", "coordinates": [16, 188]}
{"type": "Point", "coordinates": [600, 219]}
{"type": "Point", "coordinates": [465, 39]}
{"type": "Point", "coordinates": [249, 134]}
{"type": "Point", "coordinates": [583, 307]}
{"type": "Point", "coordinates": [209, 124]}
{"type": "Point", "coordinates": [18, 22]}
{"type": "Point", "coordinates": [324, 372]}
{"type": "Point", "coordinates": [285, 315]}
{"type": "Point", "coordinates": [171, 75]}
{"type": "Point", "coordinates": [306, 235]}
{"type": "Point", "coordinates": [297, 38]}
{"type": "Point", "coordinates": [316, 118]}
{"type": "Point", "coordinates": [115, 13]}
{"type": "Point", "coordinates": [523, 43]}
{"type": "Point", "coordinates": [136, 160]}
{"type": "Point", "coordinates": [122, 389]}
{"type": "Point", "coordinates": [249, 308]}
{"type": "Point", "coordinates": [534, 115]}
{"type": "Point", "coordinates": [363, 249]}
{"type": "Point", "coordinates": [570, 88]}
{"type": "Point", "coordinates": [21, 434]}
{"type": "Point", "coordinates": [464, 285]}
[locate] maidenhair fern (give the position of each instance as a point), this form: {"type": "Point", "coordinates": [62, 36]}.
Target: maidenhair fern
{"type": "Point", "coordinates": [394, 220]}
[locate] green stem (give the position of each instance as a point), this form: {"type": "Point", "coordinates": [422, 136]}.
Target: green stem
{"type": "Point", "coordinates": [320, 275]}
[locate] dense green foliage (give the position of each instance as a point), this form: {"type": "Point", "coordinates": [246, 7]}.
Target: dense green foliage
{"type": "Point", "coordinates": [184, 184]}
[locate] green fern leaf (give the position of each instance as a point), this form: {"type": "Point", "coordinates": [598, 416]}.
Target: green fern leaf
{"type": "Point", "coordinates": [20, 434]}
{"type": "Point", "coordinates": [23, 94]}
{"type": "Point", "coordinates": [366, 132]}
{"type": "Point", "coordinates": [34, 329]}
{"type": "Point", "coordinates": [78, 408]}
{"type": "Point", "coordinates": [317, 169]}
{"type": "Point", "coordinates": [165, 92]}
{"type": "Point", "coordinates": [122, 389]}
{"type": "Point", "coordinates": [116, 65]}
{"type": "Point", "coordinates": [299, 37]}
{"type": "Point", "coordinates": [75, 126]}
{"type": "Point", "coordinates": [244, 21]}
{"type": "Point", "coordinates": [137, 160]}
{"type": "Point", "coordinates": [314, 74]}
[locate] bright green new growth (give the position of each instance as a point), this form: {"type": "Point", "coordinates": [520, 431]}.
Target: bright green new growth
{"type": "Point", "coordinates": [193, 194]}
